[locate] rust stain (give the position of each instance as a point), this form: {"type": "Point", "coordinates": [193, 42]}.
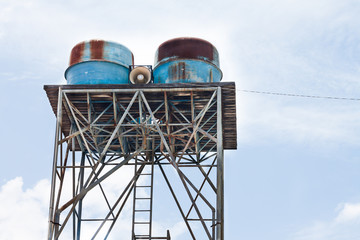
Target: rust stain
{"type": "Point", "coordinates": [193, 48]}
{"type": "Point", "coordinates": [182, 70]}
{"type": "Point", "coordinates": [177, 71]}
{"type": "Point", "coordinates": [172, 72]}
{"type": "Point", "coordinates": [97, 49]}
{"type": "Point", "coordinates": [77, 53]}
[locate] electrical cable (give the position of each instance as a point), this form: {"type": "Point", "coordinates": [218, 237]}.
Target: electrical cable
{"type": "Point", "coordinates": [299, 95]}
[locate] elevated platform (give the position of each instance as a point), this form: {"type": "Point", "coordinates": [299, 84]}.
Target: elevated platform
{"type": "Point", "coordinates": [99, 96]}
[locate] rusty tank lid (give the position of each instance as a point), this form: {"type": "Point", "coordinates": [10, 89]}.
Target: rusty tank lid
{"type": "Point", "coordinates": [187, 48]}
{"type": "Point", "coordinates": [100, 50]}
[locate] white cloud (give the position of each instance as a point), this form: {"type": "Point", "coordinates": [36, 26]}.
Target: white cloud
{"type": "Point", "coordinates": [27, 209]}
{"type": "Point", "coordinates": [350, 212]}
{"type": "Point", "coordinates": [23, 213]}
{"type": "Point", "coordinates": [345, 226]}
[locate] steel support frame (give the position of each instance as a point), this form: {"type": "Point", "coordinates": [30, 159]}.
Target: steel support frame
{"type": "Point", "coordinates": [109, 134]}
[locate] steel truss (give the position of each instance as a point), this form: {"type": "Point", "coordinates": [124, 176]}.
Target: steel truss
{"type": "Point", "coordinates": [174, 129]}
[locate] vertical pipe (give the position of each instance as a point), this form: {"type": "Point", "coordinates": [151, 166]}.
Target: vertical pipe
{"type": "Point", "coordinates": [55, 159]}
{"type": "Point", "coordinates": [196, 137]}
{"type": "Point", "coordinates": [170, 139]}
{"type": "Point", "coordinates": [220, 172]}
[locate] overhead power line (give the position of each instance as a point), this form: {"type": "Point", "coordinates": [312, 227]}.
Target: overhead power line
{"type": "Point", "coordinates": [299, 95]}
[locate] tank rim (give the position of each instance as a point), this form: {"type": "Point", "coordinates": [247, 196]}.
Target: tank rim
{"type": "Point", "coordinates": [186, 38]}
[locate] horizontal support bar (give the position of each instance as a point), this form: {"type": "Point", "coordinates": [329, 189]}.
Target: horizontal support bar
{"type": "Point", "coordinates": [96, 220]}
{"type": "Point", "coordinates": [198, 89]}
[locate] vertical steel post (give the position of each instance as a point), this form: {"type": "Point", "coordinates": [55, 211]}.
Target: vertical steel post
{"type": "Point", "coordinates": [55, 159]}
{"type": "Point", "coordinates": [73, 183]}
{"type": "Point", "coordinates": [81, 186]}
{"type": "Point", "coordinates": [220, 171]}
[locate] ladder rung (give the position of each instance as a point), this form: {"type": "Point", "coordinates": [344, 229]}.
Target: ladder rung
{"type": "Point", "coordinates": [143, 198]}
{"type": "Point", "coordinates": [142, 237]}
{"type": "Point", "coordinates": [141, 222]}
{"type": "Point", "coordinates": [145, 174]}
{"type": "Point", "coordinates": [148, 237]}
{"type": "Point", "coordinates": [143, 210]}
{"type": "Point", "coordinates": [142, 186]}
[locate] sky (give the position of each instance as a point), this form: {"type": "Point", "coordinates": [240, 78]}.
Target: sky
{"type": "Point", "coordinates": [295, 174]}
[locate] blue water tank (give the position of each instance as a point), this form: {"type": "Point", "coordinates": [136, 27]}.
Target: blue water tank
{"type": "Point", "coordinates": [99, 62]}
{"type": "Point", "coordinates": [183, 60]}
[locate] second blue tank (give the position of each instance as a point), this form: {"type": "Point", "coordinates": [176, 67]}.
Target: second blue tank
{"type": "Point", "coordinates": [186, 60]}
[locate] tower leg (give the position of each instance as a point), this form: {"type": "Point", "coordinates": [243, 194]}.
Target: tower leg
{"type": "Point", "coordinates": [220, 172]}
{"type": "Point", "coordinates": [78, 230]}
{"type": "Point", "coordinates": [52, 220]}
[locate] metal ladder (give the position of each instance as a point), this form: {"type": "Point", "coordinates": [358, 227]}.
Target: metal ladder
{"type": "Point", "coordinates": [143, 216]}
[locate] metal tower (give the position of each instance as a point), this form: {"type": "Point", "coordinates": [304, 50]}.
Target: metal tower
{"type": "Point", "coordinates": [112, 142]}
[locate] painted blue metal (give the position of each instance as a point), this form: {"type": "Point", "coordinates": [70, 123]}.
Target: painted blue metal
{"type": "Point", "coordinates": [97, 72]}
{"type": "Point", "coordinates": [186, 71]}
{"type": "Point", "coordinates": [186, 60]}
{"type": "Point", "coordinates": [99, 62]}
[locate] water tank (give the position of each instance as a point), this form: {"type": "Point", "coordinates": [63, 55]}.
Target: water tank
{"type": "Point", "coordinates": [99, 62]}
{"type": "Point", "coordinates": [184, 60]}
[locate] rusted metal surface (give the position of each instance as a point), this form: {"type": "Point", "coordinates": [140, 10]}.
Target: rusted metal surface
{"type": "Point", "coordinates": [97, 49]}
{"type": "Point", "coordinates": [77, 53]}
{"type": "Point", "coordinates": [101, 50]}
{"type": "Point", "coordinates": [187, 48]}
{"type": "Point", "coordinates": [177, 71]}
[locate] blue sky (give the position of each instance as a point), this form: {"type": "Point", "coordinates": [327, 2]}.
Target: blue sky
{"type": "Point", "coordinates": [295, 175]}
